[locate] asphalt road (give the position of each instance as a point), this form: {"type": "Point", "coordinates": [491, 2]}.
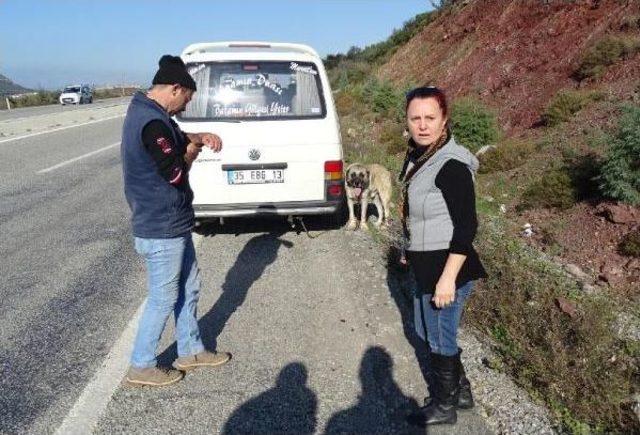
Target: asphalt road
{"type": "Point", "coordinates": [318, 336]}
{"type": "Point", "coordinates": [70, 279]}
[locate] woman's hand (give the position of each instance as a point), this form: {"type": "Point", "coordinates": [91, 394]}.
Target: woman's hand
{"type": "Point", "coordinates": [445, 292]}
{"type": "Point", "coordinates": [403, 260]}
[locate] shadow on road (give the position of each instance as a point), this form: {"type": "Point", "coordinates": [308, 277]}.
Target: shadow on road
{"type": "Point", "coordinates": [289, 407]}
{"type": "Point", "coordinates": [401, 284]}
{"type": "Point", "coordinates": [257, 254]}
{"type": "Point", "coordinates": [382, 406]}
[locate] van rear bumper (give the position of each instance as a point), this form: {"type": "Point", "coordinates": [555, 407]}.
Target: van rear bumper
{"type": "Point", "coordinates": [273, 208]}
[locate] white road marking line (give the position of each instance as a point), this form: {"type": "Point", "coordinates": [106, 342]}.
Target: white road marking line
{"type": "Point", "coordinates": [59, 165]}
{"type": "Point", "coordinates": [95, 397]}
{"type": "Point", "coordinates": [60, 128]}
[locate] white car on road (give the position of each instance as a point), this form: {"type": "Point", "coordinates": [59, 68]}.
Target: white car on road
{"type": "Point", "coordinates": [76, 94]}
{"type": "Point", "coordinates": [271, 104]}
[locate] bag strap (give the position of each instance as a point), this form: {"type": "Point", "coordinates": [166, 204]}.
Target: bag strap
{"type": "Point", "coordinates": [415, 168]}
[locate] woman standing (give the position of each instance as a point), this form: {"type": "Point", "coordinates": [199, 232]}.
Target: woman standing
{"type": "Point", "coordinates": [439, 219]}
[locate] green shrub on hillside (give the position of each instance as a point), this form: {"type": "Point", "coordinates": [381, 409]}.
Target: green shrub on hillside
{"type": "Point", "coordinates": [555, 189]}
{"type": "Point", "coordinates": [347, 102]}
{"type": "Point", "coordinates": [348, 74]}
{"type": "Point", "coordinates": [620, 172]}
{"type": "Point", "coordinates": [391, 137]}
{"type": "Point", "coordinates": [630, 244]}
{"type": "Point", "coordinates": [566, 104]}
{"type": "Point", "coordinates": [473, 124]}
{"type": "Point", "coordinates": [384, 99]}
{"type": "Point", "coordinates": [506, 156]}
{"type": "Point", "coordinates": [604, 53]}
{"type": "Point", "coordinates": [584, 171]}
{"type": "Point", "coordinates": [380, 52]}
{"type": "Point", "coordinates": [630, 23]}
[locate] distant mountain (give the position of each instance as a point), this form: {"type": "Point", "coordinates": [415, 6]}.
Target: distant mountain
{"type": "Point", "coordinates": [7, 87]}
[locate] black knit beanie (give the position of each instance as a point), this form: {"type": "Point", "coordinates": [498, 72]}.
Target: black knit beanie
{"type": "Point", "coordinates": [172, 71]}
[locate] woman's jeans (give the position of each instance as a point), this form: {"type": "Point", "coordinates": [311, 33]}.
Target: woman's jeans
{"type": "Point", "coordinates": [441, 324]}
{"type": "Point", "coordinates": [173, 281]}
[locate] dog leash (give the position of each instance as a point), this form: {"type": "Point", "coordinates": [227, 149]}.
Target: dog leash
{"type": "Point", "coordinates": [304, 227]}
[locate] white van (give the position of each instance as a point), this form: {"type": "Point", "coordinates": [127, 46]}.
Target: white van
{"type": "Point", "coordinates": [271, 104]}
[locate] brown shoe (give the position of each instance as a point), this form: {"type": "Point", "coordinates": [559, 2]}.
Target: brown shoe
{"type": "Point", "coordinates": [154, 376]}
{"type": "Point", "coordinates": [202, 359]}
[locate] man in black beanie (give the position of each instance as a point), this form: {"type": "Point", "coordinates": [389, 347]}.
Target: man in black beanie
{"type": "Point", "coordinates": [156, 157]}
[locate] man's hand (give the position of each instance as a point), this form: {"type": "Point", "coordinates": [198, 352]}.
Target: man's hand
{"type": "Point", "coordinates": [211, 141]}
{"type": "Point", "coordinates": [192, 153]}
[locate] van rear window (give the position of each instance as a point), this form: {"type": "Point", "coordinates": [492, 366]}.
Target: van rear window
{"type": "Point", "coordinates": [255, 91]}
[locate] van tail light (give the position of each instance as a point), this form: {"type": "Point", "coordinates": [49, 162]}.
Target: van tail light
{"type": "Point", "coordinates": [334, 190]}
{"type": "Point", "coordinates": [333, 170]}
{"type": "Point", "coordinates": [333, 179]}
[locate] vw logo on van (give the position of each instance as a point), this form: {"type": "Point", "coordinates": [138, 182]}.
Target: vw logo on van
{"type": "Point", "coordinates": [254, 154]}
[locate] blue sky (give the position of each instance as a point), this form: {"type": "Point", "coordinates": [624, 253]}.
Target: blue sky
{"type": "Point", "coordinates": [50, 43]}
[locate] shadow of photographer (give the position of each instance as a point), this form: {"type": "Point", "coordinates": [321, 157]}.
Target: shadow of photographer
{"type": "Point", "coordinates": [382, 406]}
{"type": "Point", "coordinates": [289, 407]}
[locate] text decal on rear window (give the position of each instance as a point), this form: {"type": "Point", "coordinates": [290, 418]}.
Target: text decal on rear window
{"type": "Point", "coordinates": [303, 69]}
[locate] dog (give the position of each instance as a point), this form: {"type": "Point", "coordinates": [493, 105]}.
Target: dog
{"type": "Point", "coordinates": [366, 183]}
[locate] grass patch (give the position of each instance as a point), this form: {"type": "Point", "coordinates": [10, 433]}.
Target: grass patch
{"type": "Point", "coordinates": [604, 53]}
{"type": "Point", "coordinates": [576, 364]}
{"type": "Point", "coordinates": [566, 104]}
{"type": "Point", "coordinates": [345, 103]}
{"type": "Point", "coordinates": [561, 187]}
{"type": "Point", "coordinates": [554, 189]}
{"type": "Point", "coordinates": [39, 98]}
{"type": "Point", "coordinates": [630, 23]}
{"type": "Point", "coordinates": [506, 156]}
{"type": "Point", "coordinates": [392, 139]}
{"type": "Point", "coordinates": [630, 244]}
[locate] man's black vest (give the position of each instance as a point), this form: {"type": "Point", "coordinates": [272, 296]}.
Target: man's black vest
{"type": "Point", "coordinates": [159, 209]}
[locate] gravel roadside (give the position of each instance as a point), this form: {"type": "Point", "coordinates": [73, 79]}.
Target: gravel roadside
{"type": "Point", "coordinates": [320, 344]}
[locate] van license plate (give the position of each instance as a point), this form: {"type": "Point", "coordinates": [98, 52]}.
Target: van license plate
{"type": "Point", "coordinates": [256, 176]}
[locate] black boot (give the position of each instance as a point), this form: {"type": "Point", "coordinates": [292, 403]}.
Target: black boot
{"type": "Point", "coordinates": [441, 409]}
{"type": "Point", "coordinates": [465, 398]}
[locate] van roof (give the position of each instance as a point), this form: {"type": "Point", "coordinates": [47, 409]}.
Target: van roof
{"type": "Point", "coordinates": [249, 47]}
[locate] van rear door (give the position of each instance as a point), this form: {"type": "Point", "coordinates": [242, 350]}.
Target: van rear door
{"type": "Point", "coordinates": [272, 117]}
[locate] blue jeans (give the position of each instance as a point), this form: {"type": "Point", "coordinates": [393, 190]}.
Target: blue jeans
{"type": "Point", "coordinates": [173, 281]}
{"type": "Point", "coordinates": [441, 324]}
